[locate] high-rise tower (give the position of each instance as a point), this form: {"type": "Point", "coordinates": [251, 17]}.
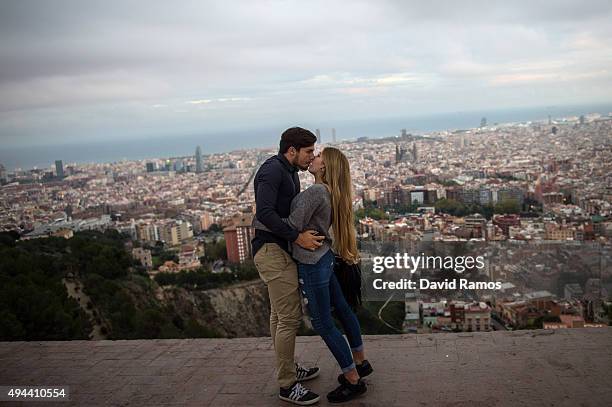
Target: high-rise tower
{"type": "Point", "coordinates": [59, 169]}
{"type": "Point", "coordinates": [198, 159]}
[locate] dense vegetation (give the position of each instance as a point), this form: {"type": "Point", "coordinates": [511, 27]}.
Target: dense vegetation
{"type": "Point", "coordinates": [393, 314]}
{"type": "Point", "coordinates": [33, 300]}
{"type": "Point", "coordinates": [457, 208]}
{"type": "Point", "coordinates": [451, 207]}
{"type": "Point", "coordinates": [215, 251]}
{"type": "Point", "coordinates": [203, 279]}
{"type": "Point", "coordinates": [34, 304]}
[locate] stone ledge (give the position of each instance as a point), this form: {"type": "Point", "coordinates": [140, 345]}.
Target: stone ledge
{"type": "Point", "coordinates": [567, 367]}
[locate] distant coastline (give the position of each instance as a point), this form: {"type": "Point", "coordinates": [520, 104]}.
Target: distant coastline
{"type": "Point", "coordinates": [218, 142]}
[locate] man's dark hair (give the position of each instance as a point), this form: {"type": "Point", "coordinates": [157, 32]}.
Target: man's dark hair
{"type": "Point", "coordinates": [296, 137]}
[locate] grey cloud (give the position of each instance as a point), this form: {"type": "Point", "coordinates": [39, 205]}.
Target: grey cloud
{"type": "Point", "coordinates": [376, 58]}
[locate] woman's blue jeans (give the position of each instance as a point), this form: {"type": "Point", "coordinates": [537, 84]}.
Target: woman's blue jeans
{"type": "Point", "coordinates": [321, 291]}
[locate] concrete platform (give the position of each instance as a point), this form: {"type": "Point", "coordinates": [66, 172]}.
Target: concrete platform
{"type": "Point", "coordinates": [571, 367]}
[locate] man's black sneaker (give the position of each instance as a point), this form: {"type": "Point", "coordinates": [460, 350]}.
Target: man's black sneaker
{"type": "Point", "coordinates": [304, 373]}
{"type": "Point", "coordinates": [364, 369]}
{"type": "Point", "coordinates": [346, 392]}
{"type": "Point", "coordinates": [298, 394]}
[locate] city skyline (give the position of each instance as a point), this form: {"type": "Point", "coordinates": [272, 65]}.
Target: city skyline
{"type": "Point", "coordinates": [75, 72]}
{"type": "Point", "coordinates": [180, 147]}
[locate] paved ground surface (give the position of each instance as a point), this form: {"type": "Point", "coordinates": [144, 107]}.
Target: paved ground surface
{"type": "Point", "coordinates": [570, 367]}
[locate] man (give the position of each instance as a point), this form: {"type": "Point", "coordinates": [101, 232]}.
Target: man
{"type": "Point", "coordinates": [276, 184]}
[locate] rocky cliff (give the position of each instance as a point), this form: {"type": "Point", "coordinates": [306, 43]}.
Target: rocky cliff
{"type": "Point", "coordinates": [241, 310]}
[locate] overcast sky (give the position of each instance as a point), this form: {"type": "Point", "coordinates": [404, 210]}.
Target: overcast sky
{"type": "Point", "coordinates": [80, 70]}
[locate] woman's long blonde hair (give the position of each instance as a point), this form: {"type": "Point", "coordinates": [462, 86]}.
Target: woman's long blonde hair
{"type": "Point", "coordinates": [337, 177]}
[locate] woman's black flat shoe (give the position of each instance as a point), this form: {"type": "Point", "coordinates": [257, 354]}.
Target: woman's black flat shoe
{"type": "Point", "coordinates": [346, 392]}
{"type": "Point", "coordinates": [364, 369]}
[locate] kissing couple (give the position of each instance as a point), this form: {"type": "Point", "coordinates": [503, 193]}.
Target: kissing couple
{"type": "Point", "coordinates": [299, 235]}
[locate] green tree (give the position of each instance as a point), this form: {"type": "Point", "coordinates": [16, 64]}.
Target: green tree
{"type": "Point", "coordinates": [215, 228]}
{"type": "Point", "coordinates": [215, 251]}
{"type": "Point", "coordinates": [451, 207]}
{"type": "Point", "coordinates": [33, 300]}
{"type": "Point", "coordinates": [507, 206]}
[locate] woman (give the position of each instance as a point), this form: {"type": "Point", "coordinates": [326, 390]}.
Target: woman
{"type": "Point", "coordinates": [328, 203]}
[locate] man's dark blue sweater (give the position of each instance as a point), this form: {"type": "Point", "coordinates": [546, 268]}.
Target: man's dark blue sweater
{"type": "Point", "coordinates": [276, 184]}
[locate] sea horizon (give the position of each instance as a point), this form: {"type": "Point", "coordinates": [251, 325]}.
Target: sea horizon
{"type": "Point", "coordinates": [182, 145]}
